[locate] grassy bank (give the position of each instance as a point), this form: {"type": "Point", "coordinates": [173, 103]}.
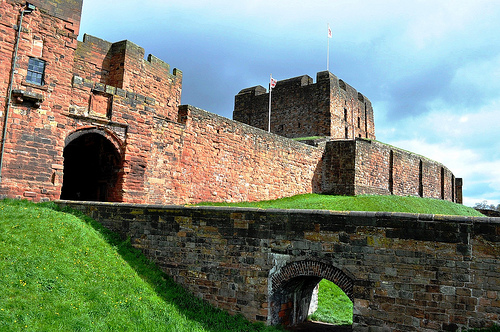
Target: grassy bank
{"type": "Point", "coordinates": [59, 272]}
{"type": "Point", "coordinates": [407, 204]}
{"type": "Point", "coordinates": [334, 306]}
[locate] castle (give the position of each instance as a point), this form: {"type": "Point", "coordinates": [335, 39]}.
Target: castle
{"type": "Point", "coordinates": [95, 120]}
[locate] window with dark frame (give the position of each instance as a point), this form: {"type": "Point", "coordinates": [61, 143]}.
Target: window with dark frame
{"type": "Point", "coordinates": [36, 71]}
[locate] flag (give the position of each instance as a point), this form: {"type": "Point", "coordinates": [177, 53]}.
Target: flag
{"type": "Point", "coordinates": [329, 31]}
{"type": "Point", "coordinates": [273, 82]}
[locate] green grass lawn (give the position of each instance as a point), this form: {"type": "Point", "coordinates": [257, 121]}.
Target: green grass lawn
{"type": "Point", "coordinates": [334, 306]}
{"type": "Point", "coordinates": [409, 204]}
{"type": "Point", "coordinates": [59, 272]}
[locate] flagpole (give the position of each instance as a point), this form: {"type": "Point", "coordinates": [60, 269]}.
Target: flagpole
{"type": "Point", "coordinates": [328, 50]}
{"type": "Point", "coordinates": [270, 89]}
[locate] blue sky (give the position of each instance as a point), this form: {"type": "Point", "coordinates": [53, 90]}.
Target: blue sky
{"type": "Point", "coordinates": [430, 68]}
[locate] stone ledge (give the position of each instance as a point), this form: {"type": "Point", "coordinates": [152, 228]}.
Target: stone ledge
{"type": "Point", "coordinates": [81, 83]}
{"type": "Point", "coordinates": [19, 96]}
{"type": "Point", "coordinates": [234, 209]}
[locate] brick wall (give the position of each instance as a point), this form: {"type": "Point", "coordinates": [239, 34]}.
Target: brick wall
{"type": "Point", "coordinates": [122, 65]}
{"type": "Point", "coordinates": [403, 272]}
{"type": "Point", "coordinates": [33, 146]}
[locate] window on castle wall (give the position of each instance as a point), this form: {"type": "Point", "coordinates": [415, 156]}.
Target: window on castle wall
{"type": "Point", "coordinates": [345, 114]}
{"type": "Point", "coordinates": [346, 132]}
{"type": "Point", "coordinates": [359, 122]}
{"type": "Point", "coordinates": [36, 71]}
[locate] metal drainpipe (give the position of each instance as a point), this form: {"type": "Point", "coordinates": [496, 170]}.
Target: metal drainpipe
{"type": "Point", "coordinates": [27, 10]}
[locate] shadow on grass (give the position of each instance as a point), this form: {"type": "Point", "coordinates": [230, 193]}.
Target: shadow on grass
{"type": "Point", "coordinates": [211, 318]}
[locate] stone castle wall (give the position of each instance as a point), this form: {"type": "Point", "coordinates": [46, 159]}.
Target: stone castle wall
{"type": "Point", "coordinates": [358, 167]}
{"type": "Point", "coordinates": [207, 157]}
{"type": "Point", "coordinates": [403, 272]}
{"type": "Point", "coordinates": [148, 149]}
{"type": "Point", "coordinates": [302, 108]}
{"type": "Point", "coordinates": [32, 163]}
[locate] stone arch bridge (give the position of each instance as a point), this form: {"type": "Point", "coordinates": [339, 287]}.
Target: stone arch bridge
{"type": "Point", "coordinates": [403, 272]}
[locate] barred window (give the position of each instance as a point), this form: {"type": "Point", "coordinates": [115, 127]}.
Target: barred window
{"type": "Point", "coordinates": [36, 69]}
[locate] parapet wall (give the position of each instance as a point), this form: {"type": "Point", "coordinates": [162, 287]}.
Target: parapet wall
{"type": "Point", "coordinates": [403, 272]}
{"type": "Point", "coordinates": [207, 157]}
{"type": "Point", "coordinates": [122, 65]}
{"type": "Point", "coordinates": [357, 167]}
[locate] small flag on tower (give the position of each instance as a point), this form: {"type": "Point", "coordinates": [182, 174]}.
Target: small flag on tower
{"type": "Point", "coordinates": [329, 31]}
{"type": "Point", "coordinates": [273, 82]}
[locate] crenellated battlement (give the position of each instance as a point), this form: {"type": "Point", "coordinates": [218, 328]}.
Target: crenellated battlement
{"type": "Point", "coordinates": [122, 66]}
{"type": "Point", "coordinates": [302, 108]}
{"type": "Point", "coordinates": [108, 54]}
{"type": "Point", "coordinates": [298, 81]}
{"type": "Point", "coordinates": [69, 11]}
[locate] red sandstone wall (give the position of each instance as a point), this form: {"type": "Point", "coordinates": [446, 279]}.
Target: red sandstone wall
{"type": "Point", "coordinates": [373, 173]}
{"type": "Point", "coordinates": [338, 168]}
{"type": "Point", "coordinates": [299, 108]}
{"type": "Point", "coordinates": [405, 173]}
{"type": "Point", "coordinates": [122, 65]}
{"type": "Point", "coordinates": [372, 168]}
{"type": "Point", "coordinates": [171, 157]}
{"type": "Point", "coordinates": [352, 113]}
{"type": "Point", "coordinates": [212, 158]}
{"type": "Point", "coordinates": [32, 165]}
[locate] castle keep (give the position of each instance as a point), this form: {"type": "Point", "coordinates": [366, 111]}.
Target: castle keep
{"type": "Point", "coordinates": [95, 120]}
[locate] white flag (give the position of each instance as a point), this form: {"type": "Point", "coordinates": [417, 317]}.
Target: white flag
{"type": "Point", "coordinates": [273, 82]}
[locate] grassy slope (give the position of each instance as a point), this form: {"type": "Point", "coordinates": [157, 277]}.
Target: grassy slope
{"type": "Point", "coordinates": [59, 272]}
{"type": "Point", "coordinates": [408, 204]}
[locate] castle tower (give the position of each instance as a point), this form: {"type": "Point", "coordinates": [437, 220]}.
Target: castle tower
{"type": "Point", "coordinates": [76, 118]}
{"type": "Point", "coordinates": [302, 108]}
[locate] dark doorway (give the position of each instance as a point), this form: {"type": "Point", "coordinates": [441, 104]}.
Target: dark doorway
{"type": "Point", "coordinates": [91, 169]}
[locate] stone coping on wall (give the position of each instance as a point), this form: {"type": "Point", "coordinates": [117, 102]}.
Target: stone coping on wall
{"type": "Point", "coordinates": [361, 215]}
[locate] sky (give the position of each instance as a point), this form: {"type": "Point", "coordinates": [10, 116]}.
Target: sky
{"type": "Point", "coordinates": [431, 68]}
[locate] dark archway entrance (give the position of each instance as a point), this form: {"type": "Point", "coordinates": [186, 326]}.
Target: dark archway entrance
{"type": "Point", "coordinates": [92, 167]}
{"type": "Point", "coordinates": [292, 288]}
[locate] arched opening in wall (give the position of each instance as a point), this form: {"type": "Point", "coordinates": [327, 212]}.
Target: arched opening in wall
{"type": "Point", "coordinates": [296, 295]}
{"type": "Point", "coordinates": [92, 167]}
